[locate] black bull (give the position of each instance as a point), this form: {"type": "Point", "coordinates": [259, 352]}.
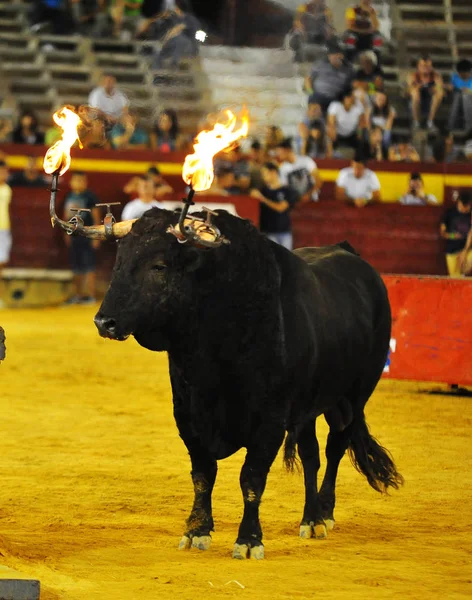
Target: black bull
{"type": "Point", "coordinates": [261, 342]}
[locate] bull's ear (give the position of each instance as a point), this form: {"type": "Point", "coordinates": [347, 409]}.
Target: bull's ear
{"type": "Point", "coordinates": [193, 258]}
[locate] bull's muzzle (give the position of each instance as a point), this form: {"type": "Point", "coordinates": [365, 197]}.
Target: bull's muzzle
{"type": "Point", "coordinates": [107, 328]}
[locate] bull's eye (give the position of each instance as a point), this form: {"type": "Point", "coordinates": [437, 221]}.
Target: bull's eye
{"type": "Point", "coordinates": [159, 267]}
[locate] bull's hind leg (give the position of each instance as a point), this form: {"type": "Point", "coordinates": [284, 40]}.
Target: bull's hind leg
{"type": "Point", "coordinates": [259, 459]}
{"type": "Point", "coordinates": [312, 524]}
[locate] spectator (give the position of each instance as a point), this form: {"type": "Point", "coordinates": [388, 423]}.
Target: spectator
{"type": "Point", "coordinates": [27, 131]}
{"type": "Point", "coordinates": [382, 115]}
{"type": "Point", "coordinates": [165, 135]}
{"type": "Point", "coordinates": [403, 151]}
{"type": "Point", "coordinates": [145, 201]}
{"type": "Point", "coordinates": [362, 30]}
{"type": "Point", "coordinates": [298, 172]}
{"type": "Point", "coordinates": [53, 13]}
{"type": "Point", "coordinates": [274, 136]}
{"type": "Point", "coordinates": [346, 119]}
{"type": "Point", "coordinates": [461, 84]}
{"type": "Point", "coordinates": [313, 114]}
{"type": "Point", "coordinates": [126, 15]}
{"type": "Point", "coordinates": [108, 99]}
{"type": "Point", "coordinates": [5, 233]}
{"type": "Point", "coordinates": [127, 135]}
{"type": "Point", "coordinates": [455, 228]}
{"type": "Point", "coordinates": [316, 144]}
{"type": "Point", "coordinates": [256, 159]}
{"type": "Point", "coordinates": [89, 16]}
{"type": "Point", "coordinates": [425, 88]}
{"type": "Point", "coordinates": [330, 77]}
{"type": "Point", "coordinates": [224, 183]}
{"type": "Point", "coordinates": [376, 147]}
{"type": "Point", "coordinates": [238, 163]}
{"type": "Point", "coordinates": [6, 129]}
{"type": "Point", "coordinates": [277, 201]}
{"type": "Point", "coordinates": [415, 195]}
{"type": "Point", "coordinates": [52, 135]}
{"type": "Point", "coordinates": [369, 77]}
{"type": "Point", "coordinates": [161, 187]}
{"type": "Point", "coordinates": [82, 251]}
{"type": "Point", "coordinates": [358, 185]}
{"type": "Point", "coordinates": [313, 24]}
{"type": "Point", "coordinates": [32, 176]}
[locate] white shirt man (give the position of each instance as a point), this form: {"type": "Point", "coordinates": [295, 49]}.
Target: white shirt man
{"type": "Point", "coordinates": [357, 185]}
{"type": "Point", "coordinates": [145, 201]}
{"type": "Point", "coordinates": [298, 172]}
{"type": "Point", "coordinates": [345, 118]}
{"type": "Point", "coordinates": [109, 99]}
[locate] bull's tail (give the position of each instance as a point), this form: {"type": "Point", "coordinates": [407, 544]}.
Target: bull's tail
{"type": "Point", "coordinates": [290, 451]}
{"type": "Point", "coordinates": [371, 459]}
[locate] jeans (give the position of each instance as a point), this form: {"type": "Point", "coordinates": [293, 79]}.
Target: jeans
{"type": "Point", "coordinates": [175, 50]}
{"type": "Point", "coordinates": [461, 107]}
{"type": "Point", "coordinates": [283, 239]}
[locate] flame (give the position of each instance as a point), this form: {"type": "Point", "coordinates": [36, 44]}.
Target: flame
{"type": "Point", "coordinates": [58, 156]}
{"type": "Point", "coordinates": [198, 167]}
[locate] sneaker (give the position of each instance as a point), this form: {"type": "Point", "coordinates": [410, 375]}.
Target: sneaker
{"type": "Point", "coordinates": [432, 127]}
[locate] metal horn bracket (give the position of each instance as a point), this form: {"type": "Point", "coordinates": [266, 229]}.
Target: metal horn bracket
{"type": "Point", "coordinates": [109, 219]}
{"type": "Point", "coordinates": [195, 230]}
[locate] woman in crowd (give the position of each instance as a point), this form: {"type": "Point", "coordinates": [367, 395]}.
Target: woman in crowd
{"type": "Point", "coordinates": [382, 114]}
{"type": "Point", "coordinates": [315, 143]}
{"type": "Point", "coordinates": [27, 132]}
{"type": "Point", "coordinates": [165, 135]}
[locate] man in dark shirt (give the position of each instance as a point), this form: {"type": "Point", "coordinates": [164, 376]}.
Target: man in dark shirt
{"type": "Point", "coordinates": [82, 250]}
{"type": "Point", "coordinates": [277, 201]}
{"type": "Point", "coordinates": [30, 177]}
{"type": "Point", "coordinates": [456, 230]}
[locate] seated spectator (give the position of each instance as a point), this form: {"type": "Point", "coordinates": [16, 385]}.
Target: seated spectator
{"type": "Point", "coordinates": [127, 135]}
{"type": "Point", "coordinates": [346, 119]}
{"type": "Point", "coordinates": [274, 136]}
{"type": "Point", "coordinates": [108, 98]}
{"type": "Point", "coordinates": [362, 31]}
{"type": "Point", "coordinates": [300, 173]}
{"type": "Point", "coordinates": [316, 144]}
{"type": "Point", "coordinates": [358, 185]}
{"type": "Point", "coordinates": [330, 77]}
{"type": "Point", "coordinates": [376, 147]}
{"type": "Point", "coordinates": [369, 77]}
{"type": "Point", "coordinates": [313, 113]}
{"type": "Point", "coordinates": [256, 159]}
{"type": "Point", "coordinates": [161, 186]}
{"type": "Point", "coordinates": [165, 135]}
{"type": "Point", "coordinates": [126, 16]}
{"type": "Point", "coordinates": [313, 24]}
{"type": "Point", "coordinates": [238, 163]}
{"type": "Point", "coordinates": [403, 151]}
{"type": "Point", "coordinates": [461, 85]}
{"type": "Point", "coordinates": [54, 14]}
{"type": "Point", "coordinates": [145, 201]}
{"type": "Point", "coordinates": [455, 228]}
{"type": "Point", "coordinates": [224, 184]}
{"type": "Point", "coordinates": [425, 88]}
{"type": "Point", "coordinates": [382, 115]}
{"type": "Point", "coordinates": [32, 176]}
{"type": "Point", "coordinates": [5, 225]}
{"type": "Point", "coordinates": [82, 251]}
{"type": "Point", "coordinates": [6, 129]}
{"type": "Point", "coordinates": [415, 195]}
{"type": "Point", "coordinates": [27, 131]}
{"type": "Point", "coordinates": [277, 201]}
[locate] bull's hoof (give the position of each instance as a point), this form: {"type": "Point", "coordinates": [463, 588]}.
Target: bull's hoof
{"type": "Point", "coordinates": [329, 524]}
{"type": "Point", "coordinates": [201, 542]}
{"type": "Point", "coordinates": [310, 530]}
{"type": "Point", "coordinates": [243, 551]}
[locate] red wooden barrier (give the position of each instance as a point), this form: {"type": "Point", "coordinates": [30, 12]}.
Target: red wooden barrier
{"type": "Point", "coordinates": [432, 329]}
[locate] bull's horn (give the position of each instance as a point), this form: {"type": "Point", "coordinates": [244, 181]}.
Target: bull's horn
{"type": "Point", "coordinates": [99, 232]}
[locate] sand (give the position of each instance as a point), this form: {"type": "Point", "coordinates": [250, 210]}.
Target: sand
{"type": "Point", "coordinates": [95, 486]}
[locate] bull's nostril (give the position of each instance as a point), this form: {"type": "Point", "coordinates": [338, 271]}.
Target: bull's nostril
{"type": "Point", "coordinates": [110, 325]}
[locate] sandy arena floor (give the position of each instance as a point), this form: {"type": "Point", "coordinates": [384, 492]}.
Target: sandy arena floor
{"type": "Point", "coordinates": [95, 486]}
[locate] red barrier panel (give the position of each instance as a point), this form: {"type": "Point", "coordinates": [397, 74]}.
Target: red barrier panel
{"type": "Point", "coordinates": [432, 329]}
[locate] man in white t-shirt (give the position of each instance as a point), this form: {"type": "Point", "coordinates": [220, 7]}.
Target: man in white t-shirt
{"type": "Point", "coordinates": [108, 98]}
{"type": "Point", "coordinates": [298, 172]}
{"type": "Point", "coordinates": [145, 201]}
{"type": "Point", "coordinates": [345, 119]}
{"type": "Point", "coordinates": [358, 185]}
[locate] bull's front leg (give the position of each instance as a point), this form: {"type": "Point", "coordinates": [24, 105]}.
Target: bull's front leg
{"type": "Point", "coordinates": [259, 458]}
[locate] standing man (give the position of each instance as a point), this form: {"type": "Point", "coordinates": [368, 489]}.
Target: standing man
{"type": "Point", "coordinates": [298, 172]}
{"type": "Point", "coordinates": [456, 229]}
{"type": "Point", "coordinates": [358, 185]}
{"type": "Point", "coordinates": [5, 232]}
{"type": "Point", "coordinates": [82, 251]}
{"type": "Point", "coordinates": [107, 98]}
{"type": "Point", "coordinates": [277, 201]}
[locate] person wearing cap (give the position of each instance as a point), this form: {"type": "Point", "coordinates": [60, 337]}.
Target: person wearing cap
{"type": "Point", "coordinates": [346, 120]}
{"type": "Point", "coordinates": [331, 77]}
{"type": "Point", "coordinates": [369, 77]}
{"type": "Point", "coordinates": [461, 85]}
{"type": "Point", "coordinates": [362, 31]}
{"type": "Point", "coordinates": [357, 184]}
{"type": "Point", "coordinates": [298, 172]}
{"type": "Point", "coordinates": [426, 91]}
{"type": "Point", "coordinates": [456, 229]}
{"type": "Point", "coordinates": [416, 195]}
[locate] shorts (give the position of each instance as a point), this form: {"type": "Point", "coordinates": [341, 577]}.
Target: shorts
{"type": "Point", "coordinates": [5, 246]}
{"type": "Point", "coordinates": [82, 256]}
{"type": "Point", "coordinates": [453, 267]}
